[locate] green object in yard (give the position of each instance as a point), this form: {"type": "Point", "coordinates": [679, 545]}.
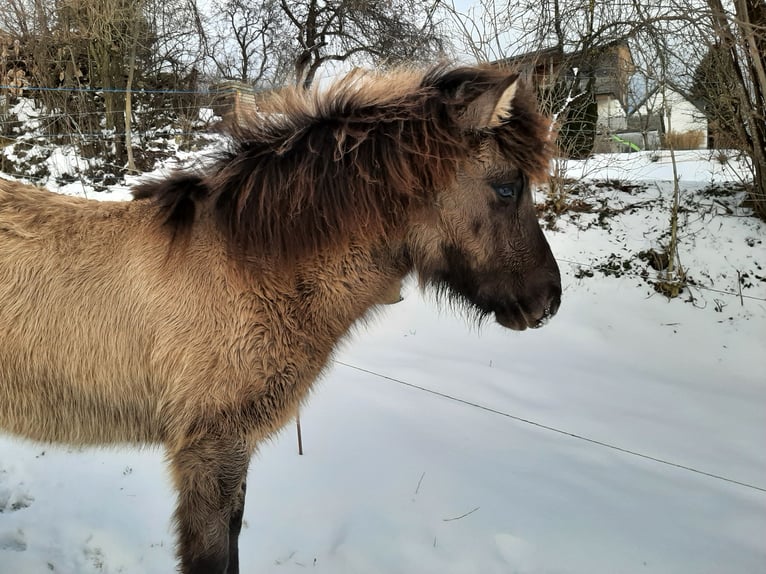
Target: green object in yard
{"type": "Point", "coordinates": [631, 145]}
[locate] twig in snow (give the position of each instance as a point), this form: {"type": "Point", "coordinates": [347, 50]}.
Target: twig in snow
{"type": "Point", "coordinates": [419, 482]}
{"type": "Point", "coordinates": [461, 516]}
{"type": "Point", "coordinates": [300, 434]}
{"type": "Point", "coordinates": [739, 286]}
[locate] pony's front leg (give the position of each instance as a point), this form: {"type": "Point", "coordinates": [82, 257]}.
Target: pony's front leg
{"type": "Point", "coordinates": [209, 472]}
{"type": "Point", "coordinates": [235, 526]}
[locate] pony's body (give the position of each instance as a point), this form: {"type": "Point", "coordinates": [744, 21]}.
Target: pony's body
{"type": "Point", "coordinates": [199, 315]}
{"type": "Point", "coordinates": [124, 323]}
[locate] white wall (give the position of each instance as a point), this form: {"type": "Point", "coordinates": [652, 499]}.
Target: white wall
{"type": "Point", "coordinates": [679, 114]}
{"type": "Point", "coordinates": [611, 115]}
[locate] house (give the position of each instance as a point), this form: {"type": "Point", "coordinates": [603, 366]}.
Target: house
{"type": "Point", "coordinates": [604, 70]}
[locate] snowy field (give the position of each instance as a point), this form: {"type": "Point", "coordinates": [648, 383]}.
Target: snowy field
{"type": "Point", "coordinates": [399, 480]}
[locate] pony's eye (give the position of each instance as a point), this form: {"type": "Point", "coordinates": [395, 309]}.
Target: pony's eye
{"type": "Point", "coordinates": [511, 189]}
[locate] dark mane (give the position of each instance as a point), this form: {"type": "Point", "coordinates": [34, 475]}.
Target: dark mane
{"type": "Point", "coordinates": [318, 168]}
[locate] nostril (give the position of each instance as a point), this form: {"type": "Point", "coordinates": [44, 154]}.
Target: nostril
{"type": "Point", "coordinates": [553, 306]}
{"type": "Point", "coordinates": [550, 309]}
{"type": "Point", "coordinates": [541, 322]}
{"type": "Point", "coordinates": [554, 299]}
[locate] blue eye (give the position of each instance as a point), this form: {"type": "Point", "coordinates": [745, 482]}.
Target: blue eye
{"type": "Point", "coordinates": [511, 189]}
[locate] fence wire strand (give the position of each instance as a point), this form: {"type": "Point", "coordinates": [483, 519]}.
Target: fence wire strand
{"type": "Point", "coordinates": [573, 435]}
{"type": "Point", "coordinates": [132, 91]}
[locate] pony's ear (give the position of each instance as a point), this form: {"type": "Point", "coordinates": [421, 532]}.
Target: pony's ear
{"type": "Point", "coordinates": [491, 105]}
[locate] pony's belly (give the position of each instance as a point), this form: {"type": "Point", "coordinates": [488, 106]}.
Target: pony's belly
{"type": "Point", "coordinates": [56, 412]}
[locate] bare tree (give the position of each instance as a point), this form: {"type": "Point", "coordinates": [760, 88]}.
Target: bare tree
{"type": "Point", "coordinates": [325, 31]}
{"type": "Point", "coordinates": [653, 55]}
{"type": "Point", "coordinates": [175, 43]}
{"type": "Point", "coordinates": [740, 30]}
{"type": "Point", "coordinates": [716, 53]}
{"type": "Point", "coordinates": [244, 40]}
{"type": "Point", "coordinates": [15, 18]}
{"type": "Point", "coordinates": [132, 41]}
{"type": "Point", "coordinates": [115, 46]}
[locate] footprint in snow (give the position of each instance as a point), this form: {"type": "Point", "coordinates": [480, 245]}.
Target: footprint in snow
{"type": "Point", "coordinates": [13, 540]}
{"type": "Point", "coordinates": [13, 497]}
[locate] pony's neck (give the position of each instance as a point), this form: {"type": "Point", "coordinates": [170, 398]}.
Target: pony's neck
{"type": "Point", "coordinates": [335, 290]}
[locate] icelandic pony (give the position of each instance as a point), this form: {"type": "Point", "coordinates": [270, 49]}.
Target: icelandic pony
{"type": "Point", "coordinates": [199, 315]}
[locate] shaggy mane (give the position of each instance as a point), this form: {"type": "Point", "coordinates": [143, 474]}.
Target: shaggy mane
{"type": "Point", "coordinates": [318, 168]}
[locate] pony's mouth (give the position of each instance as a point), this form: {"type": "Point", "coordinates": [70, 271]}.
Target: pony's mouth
{"type": "Point", "coordinates": [512, 320]}
{"type": "Point", "coordinates": [513, 317]}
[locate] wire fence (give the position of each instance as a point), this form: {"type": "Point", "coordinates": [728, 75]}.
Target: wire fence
{"type": "Point", "coordinates": [72, 114]}
{"type": "Point", "coordinates": [89, 90]}
{"type": "Point", "coordinates": [37, 139]}
{"type": "Point", "coordinates": [102, 127]}
{"type": "Point", "coordinates": [95, 140]}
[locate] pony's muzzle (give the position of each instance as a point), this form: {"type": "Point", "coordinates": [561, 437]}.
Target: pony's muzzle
{"type": "Point", "coordinates": [534, 310]}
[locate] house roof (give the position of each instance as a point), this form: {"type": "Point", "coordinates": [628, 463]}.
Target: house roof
{"type": "Point", "coordinates": [543, 54]}
{"type": "Point", "coordinates": [557, 54]}
{"type": "Point", "coordinates": [603, 63]}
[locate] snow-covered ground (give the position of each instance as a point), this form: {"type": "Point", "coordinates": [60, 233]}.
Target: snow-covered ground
{"type": "Point", "coordinates": [398, 480]}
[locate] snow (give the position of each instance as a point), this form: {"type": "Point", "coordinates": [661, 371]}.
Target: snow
{"type": "Point", "coordinates": [696, 166]}
{"type": "Point", "coordinates": [26, 112]}
{"type": "Point", "coordinates": [395, 479]}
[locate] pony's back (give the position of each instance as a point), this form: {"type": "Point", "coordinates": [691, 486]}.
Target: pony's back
{"type": "Point", "coordinates": [73, 329]}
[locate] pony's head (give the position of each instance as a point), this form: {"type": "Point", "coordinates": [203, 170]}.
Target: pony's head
{"type": "Point", "coordinates": [478, 240]}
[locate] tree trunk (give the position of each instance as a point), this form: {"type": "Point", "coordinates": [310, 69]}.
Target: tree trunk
{"type": "Point", "coordinates": [746, 40]}
{"type": "Point", "coordinates": [751, 20]}
{"type": "Point", "coordinates": [129, 98]}
{"type": "Point", "coordinates": [758, 193]}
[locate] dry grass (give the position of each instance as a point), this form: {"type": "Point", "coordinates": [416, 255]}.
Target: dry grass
{"type": "Point", "coordinates": [684, 140]}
